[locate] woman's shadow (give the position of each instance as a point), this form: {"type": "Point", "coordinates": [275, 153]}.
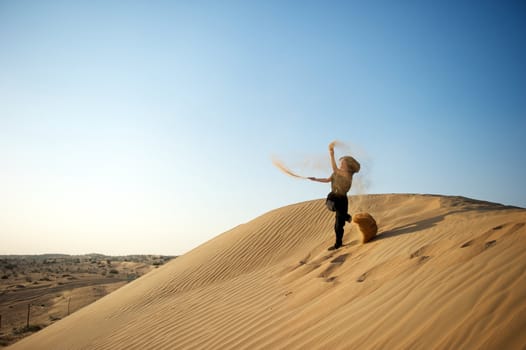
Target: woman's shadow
{"type": "Point", "coordinates": [410, 228]}
{"type": "Point", "coordinates": [468, 205]}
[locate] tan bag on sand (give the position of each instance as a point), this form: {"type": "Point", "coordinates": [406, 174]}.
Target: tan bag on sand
{"type": "Point", "coordinates": [367, 226]}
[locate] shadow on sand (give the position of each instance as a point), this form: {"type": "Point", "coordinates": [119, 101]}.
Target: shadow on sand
{"type": "Point", "coordinates": [410, 228]}
{"type": "Point", "coordinates": [468, 205]}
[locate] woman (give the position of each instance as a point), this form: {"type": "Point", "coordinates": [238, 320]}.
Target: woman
{"type": "Point", "coordinates": [341, 181]}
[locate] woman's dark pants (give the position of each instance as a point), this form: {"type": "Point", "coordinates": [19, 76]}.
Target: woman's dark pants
{"type": "Point", "coordinates": [341, 204]}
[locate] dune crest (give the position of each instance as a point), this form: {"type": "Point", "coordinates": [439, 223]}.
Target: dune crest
{"type": "Point", "coordinates": [442, 272]}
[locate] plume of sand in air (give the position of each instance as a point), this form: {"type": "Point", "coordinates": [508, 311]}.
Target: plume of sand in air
{"type": "Point", "coordinates": [361, 181]}
{"type": "Point", "coordinates": [279, 164]}
{"type": "Point", "coordinates": [319, 165]}
{"type": "Point", "coordinates": [313, 164]}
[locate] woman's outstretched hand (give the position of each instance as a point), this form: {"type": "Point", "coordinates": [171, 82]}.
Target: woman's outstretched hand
{"type": "Point", "coordinates": [331, 146]}
{"type": "Point", "coordinates": [331, 154]}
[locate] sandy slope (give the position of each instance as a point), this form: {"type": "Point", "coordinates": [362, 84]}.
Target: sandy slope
{"type": "Point", "coordinates": [444, 272]}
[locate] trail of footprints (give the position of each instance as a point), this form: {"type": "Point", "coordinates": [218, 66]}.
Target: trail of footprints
{"type": "Point", "coordinates": [481, 243]}
{"type": "Point", "coordinates": [337, 258]}
{"type": "Point", "coordinates": [491, 243]}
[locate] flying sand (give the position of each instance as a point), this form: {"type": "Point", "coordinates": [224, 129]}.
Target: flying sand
{"type": "Point", "coordinates": [337, 201]}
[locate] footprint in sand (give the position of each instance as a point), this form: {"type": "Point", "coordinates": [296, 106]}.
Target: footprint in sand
{"type": "Point", "coordinates": [490, 244]}
{"type": "Point", "coordinates": [419, 253]}
{"type": "Point", "coordinates": [334, 265]}
{"type": "Point", "coordinates": [423, 258]}
{"type": "Point", "coordinates": [304, 261]}
{"type": "Point", "coordinates": [340, 259]}
{"type": "Point", "coordinates": [467, 244]}
{"type": "Point", "coordinates": [362, 277]}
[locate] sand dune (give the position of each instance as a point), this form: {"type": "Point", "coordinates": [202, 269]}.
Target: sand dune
{"type": "Point", "coordinates": [442, 273]}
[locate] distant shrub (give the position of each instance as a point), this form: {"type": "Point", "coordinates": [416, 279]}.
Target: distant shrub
{"type": "Point", "coordinates": [6, 340]}
{"type": "Point", "coordinates": [31, 328]}
{"type": "Point", "coordinates": [10, 266]}
{"type": "Point", "coordinates": [113, 271]}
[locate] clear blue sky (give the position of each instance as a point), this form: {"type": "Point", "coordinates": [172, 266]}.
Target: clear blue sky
{"type": "Point", "coordinates": [148, 126]}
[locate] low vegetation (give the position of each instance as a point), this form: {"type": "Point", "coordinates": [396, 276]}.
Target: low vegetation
{"type": "Point", "coordinates": [37, 290]}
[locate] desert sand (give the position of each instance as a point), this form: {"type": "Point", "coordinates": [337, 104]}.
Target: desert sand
{"type": "Point", "coordinates": [442, 273]}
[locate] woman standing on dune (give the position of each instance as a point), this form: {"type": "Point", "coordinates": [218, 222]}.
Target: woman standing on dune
{"type": "Point", "coordinates": [341, 181]}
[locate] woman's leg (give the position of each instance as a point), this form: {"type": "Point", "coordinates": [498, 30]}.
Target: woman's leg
{"type": "Point", "coordinates": [338, 229]}
{"type": "Point", "coordinates": [341, 216]}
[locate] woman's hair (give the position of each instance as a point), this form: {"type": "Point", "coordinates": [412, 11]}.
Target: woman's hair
{"type": "Point", "coordinates": [352, 164]}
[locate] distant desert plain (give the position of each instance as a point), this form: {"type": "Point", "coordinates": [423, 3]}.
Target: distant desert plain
{"type": "Point", "coordinates": [37, 290]}
{"type": "Point", "coordinates": [443, 272]}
